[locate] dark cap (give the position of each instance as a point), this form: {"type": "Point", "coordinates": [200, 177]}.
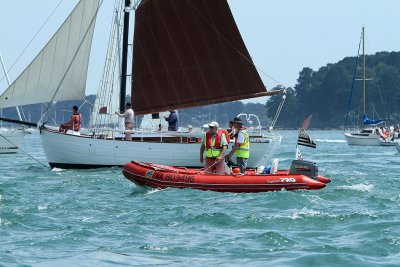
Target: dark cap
{"type": "Point", "coordinates": [129, 104]}
{"type": "Point", "coordinates": [237, 120]}
{"type": "Point", "coordinates": [75, 107]}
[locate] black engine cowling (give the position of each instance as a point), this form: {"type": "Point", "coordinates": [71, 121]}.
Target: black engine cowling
{"type": "Point", "coordinates": [304, 167]}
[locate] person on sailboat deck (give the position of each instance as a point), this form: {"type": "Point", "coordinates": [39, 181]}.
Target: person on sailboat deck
{"type": "Point", "coordinates": [242, 145]}
{"type": "Point", "coordinates": [172, 121]}
{"type": "Point", "coordinates": [379, 133]}
{"type": "Point", "coordinates": [395, 133]}
{"type": "Point", "coordinates": [74, 123]}
{"type": "Point", "coordinates": [128, 115]}
{"type": "Point", "coordinates": [215, 144]}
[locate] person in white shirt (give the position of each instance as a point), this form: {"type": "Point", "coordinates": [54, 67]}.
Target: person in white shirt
{"type": "Point", "coordinates": [128, 115]}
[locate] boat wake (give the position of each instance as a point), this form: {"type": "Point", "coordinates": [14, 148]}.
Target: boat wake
{"type": "Point", "coordinates": [357, 187]}
{"type": "Point", "coordinates": [330, 140]}
{"type": "Point", "coordinates": [141, 190]}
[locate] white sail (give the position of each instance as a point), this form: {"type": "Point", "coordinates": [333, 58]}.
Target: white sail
{"type": "Point", "coordinates": [60, 69]}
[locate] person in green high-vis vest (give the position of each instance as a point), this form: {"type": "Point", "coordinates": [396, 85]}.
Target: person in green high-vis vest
{"type": "Point", "coordinates": [214, 144]}
{"type": "Point", "coordinates": [242, 145]}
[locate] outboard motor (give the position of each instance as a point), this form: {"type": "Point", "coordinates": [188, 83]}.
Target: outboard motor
{"type": "Point", "coordinates": [307, 168]}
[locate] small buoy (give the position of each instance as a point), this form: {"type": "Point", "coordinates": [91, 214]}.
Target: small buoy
{"type": "Point", "coordinates": [236, 170]}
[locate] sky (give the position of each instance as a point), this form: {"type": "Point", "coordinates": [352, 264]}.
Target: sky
{"type": "Point", "coordinates": [282, 36]}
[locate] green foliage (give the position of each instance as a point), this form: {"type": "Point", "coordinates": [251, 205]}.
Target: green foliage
{"type": "Point", "coordinates": [198, 116]}
{"type": "Point", "coordinates": [325, 93]}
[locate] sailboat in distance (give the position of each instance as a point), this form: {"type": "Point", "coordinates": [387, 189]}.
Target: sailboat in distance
{"type": "Point", "coordinates": [369, 135]}
{"type": "Point", "coordinates": [186, 53]}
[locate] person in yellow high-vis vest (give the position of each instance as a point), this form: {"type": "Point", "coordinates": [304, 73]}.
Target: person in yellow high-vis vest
{"type": "Point", "coordinates": [242, 145]}
{"type": "Point", "coordinates": [214, 144]}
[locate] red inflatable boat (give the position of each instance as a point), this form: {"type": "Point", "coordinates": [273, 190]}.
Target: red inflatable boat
{"type": "Point", "coordinates": [302, 175]}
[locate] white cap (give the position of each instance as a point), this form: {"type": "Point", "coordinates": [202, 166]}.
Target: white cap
{"type": "Point", "coordinates": [190, 126]}
{"type": "Point", "coordinates": [213, 124]}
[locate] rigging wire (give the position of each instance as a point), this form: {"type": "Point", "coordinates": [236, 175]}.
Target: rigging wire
{"type": "Point", "coordinates": [30, 42]}
{"type": "Point", "coordinates": [26, 153]}
{"type": "Point", "coordinates": [380, 90]}
{"type": "Point", "coordinates": [111, 72]}
{"type": "Point", "coordinates": [231, 45]}
{"type": "Point", "coordinates": [353, 83]}
{"type": "Point", "coordinates": [70, 64]}
{"type": "Point", "coordinates": [278, 112]}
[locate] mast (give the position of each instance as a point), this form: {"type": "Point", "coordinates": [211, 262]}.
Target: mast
{"type": "Point", "coordinates": [9, 83]}
{"type": "Point", "coordinates": [363, 69]}
{"type": "Point", "coordinates": [124, 55]}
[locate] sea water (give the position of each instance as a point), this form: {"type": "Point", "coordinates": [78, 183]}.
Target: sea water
{"type": "Point", "coordinates": [99, 218]}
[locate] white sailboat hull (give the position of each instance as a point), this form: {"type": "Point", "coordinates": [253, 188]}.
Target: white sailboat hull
{"type": "Point", "coordinates": [10, 140]}
{"type": "Point", "coordinates": [388, 142]}
{"type": "Point", "coordinates": [82, 151]}
{"type": "Point", "coordinates": [361, 139]}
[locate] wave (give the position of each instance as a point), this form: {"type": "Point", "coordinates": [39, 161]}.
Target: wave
{"type": "Point", "coordinates": [357, 187]}
{"type": "Point", "coordinates": [330, 140]}
{"type": "Point", "coordinates": [141, 190]}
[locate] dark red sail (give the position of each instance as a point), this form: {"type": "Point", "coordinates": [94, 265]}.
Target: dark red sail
{"type": "Point", "coordinates": [189, 53]}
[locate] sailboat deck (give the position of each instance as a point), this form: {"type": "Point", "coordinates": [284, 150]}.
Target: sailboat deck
{"type": "Point", "coordinates": [151, 137]}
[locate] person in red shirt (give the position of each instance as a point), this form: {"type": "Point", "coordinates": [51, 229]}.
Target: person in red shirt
{"type": "Point", "coordinates": [74, 123]}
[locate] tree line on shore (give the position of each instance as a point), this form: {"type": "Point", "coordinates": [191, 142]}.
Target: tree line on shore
{"type": "Point", "coordinates": [323, 93]}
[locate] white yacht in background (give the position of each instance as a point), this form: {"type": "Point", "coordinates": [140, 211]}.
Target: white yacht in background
{"type": "Point", "coordinates": [365, 137]}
